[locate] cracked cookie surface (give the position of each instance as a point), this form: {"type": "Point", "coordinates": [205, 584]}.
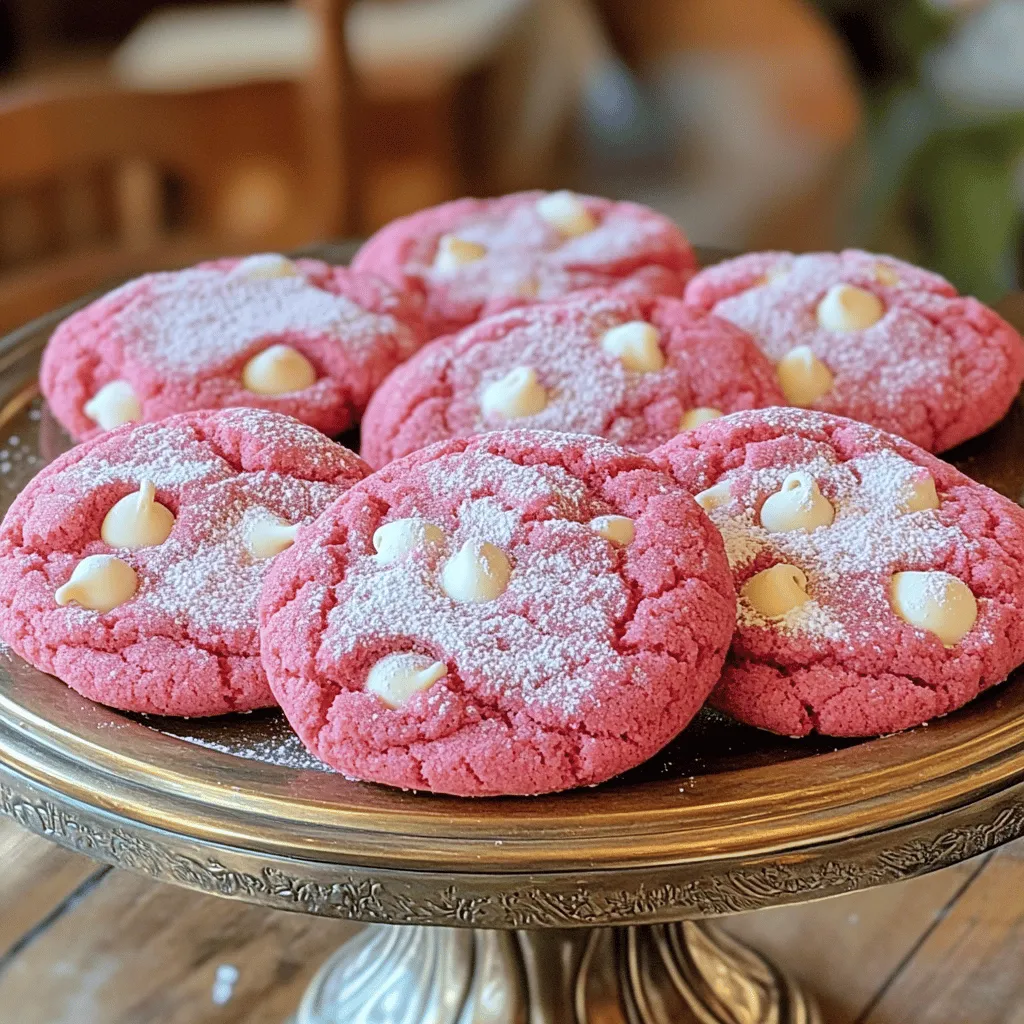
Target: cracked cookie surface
{"type": "Point", "coordinates": [835, 654]}
{"type": "Point", "coordinates": [185, 643]}
{"type": "Point", "coordinates": [634, 396]}
{"type": "Point", "coordinates": [183, 340]}
{"type": "Point", "coordinates": [553, 644]}
{"type": "Point", "coordinates": [516, 256]}
{"type": "Point", "coordinates": [891, 344]}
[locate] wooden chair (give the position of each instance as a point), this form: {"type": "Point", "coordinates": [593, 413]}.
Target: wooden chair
{"type": "Point", "coordinates": [99, 182]}
{"type": "Point", "coordinates": [414, 64]}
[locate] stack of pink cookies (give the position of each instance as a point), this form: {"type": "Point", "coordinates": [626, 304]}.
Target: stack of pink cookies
{"type": "Point", "coordinates": [601, 488]}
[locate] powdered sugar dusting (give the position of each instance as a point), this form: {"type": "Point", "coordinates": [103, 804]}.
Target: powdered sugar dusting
{"type": "Point", "coordinates": [273, 431]}
{"type": "Point", "coordinates": [519, 486]}
{"type": "Point", "coordinates": [280, 747]}
{"type": "Point", "coordinates": [171, 456]}
{"type": "Point", "coordinates": [901, 373]}
{"type": "Point", "coordinates": [203, 577]}
{"type": "Point", "coordinates": [207, 575]}
{"type": "Point", "coordinates": [527, 255]}
{"type": "Point", "coordinates": [577, 385]}
{"type": "Point", "coordinates": [584, 384]}
{"type": "Point", "coordinates": [552, 632]}
{"type": "Point", "coordinates": [905, 348]}
{"type": "Point", "coordinates": [204, 318]}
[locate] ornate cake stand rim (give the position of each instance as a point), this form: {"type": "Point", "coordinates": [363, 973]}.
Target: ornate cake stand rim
{"type": "Point", "coordinates": [524, 898]}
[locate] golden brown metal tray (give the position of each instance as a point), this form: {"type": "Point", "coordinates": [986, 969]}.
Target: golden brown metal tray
{"type": "Point", "coordinates": [726, 819]}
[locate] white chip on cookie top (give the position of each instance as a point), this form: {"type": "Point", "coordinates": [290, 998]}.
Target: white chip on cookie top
{"type": "Point", "coordinates": [618, 529]}
{"type": "Point", "coordinates": [278, 370]}
{"type": "Point", "coordinates": [99, 583]}
{"type": "Point", "coordinates": [396, 677]}
{"type": "Point", "coordinates": [454, 252]}
{"type": "Point", "coordinates": [797, 505]}
{"type": "Point", "coordinates": [936, 602]}
{"type": "Point", "coordinates": [138, 520]}
{"type": "Point", "coordinates": [265, 266]}
{"type": "Point", "coordinates": [113, 405]}
{"type": "Point", "coordinates": [567, 212]}
{"type": "Point", "coordinates": [517, 394]}
{"type": "Point", "coordinates": [636, 345]}
{"type": "Point", "coordinates": [267, 536]}
{"type": "Point", "coordinates": [400, 537]}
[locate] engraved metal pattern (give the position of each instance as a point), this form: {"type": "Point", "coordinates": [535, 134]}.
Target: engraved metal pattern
{"type": "Point", "coordinates": [497, 901]}
{"type": "Point", "coordinates": [685, 973]}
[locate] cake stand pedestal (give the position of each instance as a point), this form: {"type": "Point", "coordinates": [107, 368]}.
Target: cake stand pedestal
{"type": "Point", "coordinates": [589, 907]}
{"type": "Point", "coordinates": [655, 974]}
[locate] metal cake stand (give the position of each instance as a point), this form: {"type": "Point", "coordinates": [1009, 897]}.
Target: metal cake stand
{"type": "Point", "coordinates": [594, 906]}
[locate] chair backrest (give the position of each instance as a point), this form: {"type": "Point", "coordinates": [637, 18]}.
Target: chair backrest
{"type": "Point", "coordinates": [99, 182]}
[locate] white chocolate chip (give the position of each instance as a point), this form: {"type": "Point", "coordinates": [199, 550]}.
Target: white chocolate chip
{"type": "Point", "coordinates": [635, 345]}
{"type": "Point", "coordinates": [454, 252]}
{"type": "Point", "coordinates": [777, 273]}
{"type": "Point", "coordinates": [278, 370]}
{"type": "Point", "coordinates": [618, 529]}
{"type": "Point", "coordinates": [99, 583]}
{"type": "Point", "coordinates": [936, 602]}
{"type": "Point", "coordinates": [714, 497]}
{"type": "Point", "coordinates": [137, 520]}
{"type": "Point", "coordinates": [265, 266]}
{"type": "Point", "coordinates": [477, 573]}
{"type": "Point", "coordinates": [567, 213]}
{"type": "Point", "coordinates": [886, 275]}
{"type": "Point", "coordinates": [266, 538]}
{"type": "Point", "coordinates": [776, 591]}
{"type": "Point", "coordinates": [395, 539]}
{"type": "Point", "coordinates": [919, 493]}
{"type": "Point", "coordinates": [803, 377]}
{"type": "Point", "coordinates": [849, 308]}
{"type": "Point", "coordinates": [396, 677]}
{"type": "Point", "coordinates": [113, 405]}
{"type": "Point", "coordinates": [693, 418]}
{"type": "Point", "coordinates": [519, 393]}
{"type": "Point", "coordinates": [798, 505]}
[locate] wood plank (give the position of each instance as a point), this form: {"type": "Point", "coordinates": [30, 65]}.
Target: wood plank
{"type": "Point", "coordinates": [36, 876]}
{"type": "Point", "coordinates": [845, 949]}
{"type": "Point", "coordinates": [135, 952]}
{"type": "Point", "coordinates": [968, 967]}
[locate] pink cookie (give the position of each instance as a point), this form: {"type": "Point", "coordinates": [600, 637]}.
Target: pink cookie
{"type": "Point", "coordinates": [517, 613]}
{"type": "Point", "coordinates": [572, 366]}
{"type": "Point", "coordinates": [180, 637]}
{"type": "Point", "coordinates": [172, 342]}
{"type": "Point", "coordinates": [872, 338]}
{"type": "Point", "coordinates": [879, 587]}
{"type": "Point", "coordinates": [476, 257]}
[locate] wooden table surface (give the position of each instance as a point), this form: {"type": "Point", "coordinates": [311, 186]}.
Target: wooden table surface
{"type": "Point", "coordinates": [85, 944]}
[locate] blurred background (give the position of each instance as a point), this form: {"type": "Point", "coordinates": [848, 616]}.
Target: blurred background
{"type": "Point", "coordinates": [136, 134]}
